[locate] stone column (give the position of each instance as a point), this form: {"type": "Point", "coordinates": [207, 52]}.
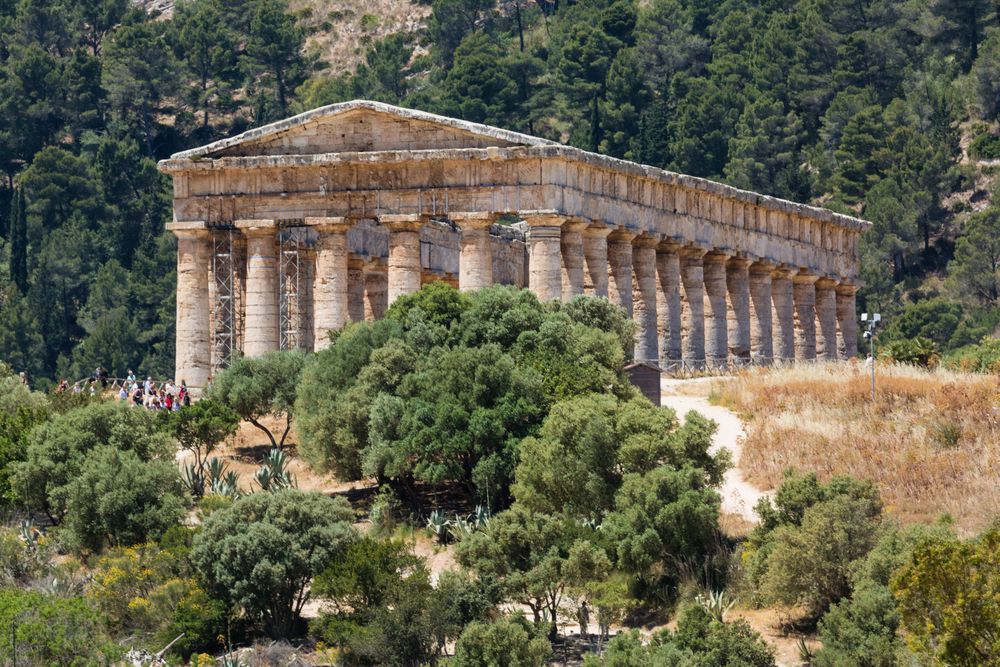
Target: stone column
{"type": "Point", "coordinates": [847, 321]}
{"type": "Point", "coordinates": [595, 260]}
{"type": "Point", "coordinates": [356, 288]}
{"type": "Point", "coordinates": [693, 303]}
{"type": "Point", "coordinates": [761, 346]}
{"type": "Point", "coordinates": [826, 318]}
{"type": "Point", "coordinates": [330, 288]}
{"type": "Point", "coordinates": [193, 341]}
{"type": "Point", "coordinates": [620, 269]}
{"type": "Point", "coordinates": [668, 305]}
{"type": "Point", "coordinates": [262, 325]}
{"type": "Point", "coordinates": [404, 253]}
{"type": "Point", "coordinates": [571, 247]}
{"type": "Point", "coordinates": [784, 314]}
{"type": "Point", "coordinates": [376, 297]}
{"type": "Point", "coordinates": [644, 299]}
{"type": "Point", "coordinates": [306, 313]}
{"type": "Point", "coordinates": [545, 254]}
{"type": "Point", "coordinates": [716, 311]}
{"type": "Point", "coordinates": [804, 293]}
{"type": "Point", "coordinates": [738, 287]}
{"type": "Point", "coordinates": [475, 261]}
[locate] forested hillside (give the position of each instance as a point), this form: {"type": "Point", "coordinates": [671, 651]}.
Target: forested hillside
{"type": "Point", "coordinates": [883, 108]}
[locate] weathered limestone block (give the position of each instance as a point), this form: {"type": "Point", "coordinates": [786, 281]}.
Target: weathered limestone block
{"type": "Point", "coordinates": [476, 259]}
{"type": "Point", "coordinates": [620, 269]}
{"type": "Point", "coordinates": [738, 287]}
{"type": "Point", "coordinates": [330, 282]}
{"type": "Point", "coordinates": [693, 304]}
{"type": "Point", "coordinates": [545, 254]}
{"type": "Point", "coordinates": [668, 305]}
{"type": "Point", "coordinates": [847, 339]}
{"type": "Point", "coordinates": [262, 327]}
{"type": "Point", "coordinates": [804, 293]}
{"type": "Point", "coordinates": [782, 296]}
{"type": "Point", "coordinates": [826, 318]}
{"type": "Point", "coordinates": [716, 310]}
{"type": "Point", "coordinates": [595, 259]}
{"type": "Point", "coordinates": [644, 310]}
{"type": "Point", "coordinates": [761, 345]}
{"type": "Point", "coordinates": [404, 253]}
{"type": "Point", "coordinates": [193, 363]}
{"type": "Point", "coordinates": [571, 246]}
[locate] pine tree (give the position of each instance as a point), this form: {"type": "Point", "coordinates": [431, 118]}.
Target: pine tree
{"type": "Point", "coordinates": [19, 241]}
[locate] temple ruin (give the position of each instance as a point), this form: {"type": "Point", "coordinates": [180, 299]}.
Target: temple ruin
{"type": "Point", "coordinates": [289, 231]}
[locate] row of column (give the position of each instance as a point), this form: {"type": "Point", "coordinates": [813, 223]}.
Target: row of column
{"type": "Point", "coordinates": [691, 306]}
{"type": "Point", "coordinates": [694, 307]}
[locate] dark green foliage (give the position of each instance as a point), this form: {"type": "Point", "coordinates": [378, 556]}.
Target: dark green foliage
{"type": "Point", "coordinates": [917, 351]}
{"type": "Point", "coordinates": [509, 642]}
{"type": "Point", "coordinates": [51, 630]}
{"type": "Point", "coordinates": [19, 241]}
{"type": "Point", "coordinates": [444, 389]}
{"type": "Point", "coordinates": [257, 387]}
{"type": "Point", "coordinates": [261, 552]}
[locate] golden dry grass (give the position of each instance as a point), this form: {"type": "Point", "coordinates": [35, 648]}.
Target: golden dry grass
{"type": "Point", "coordinates": [931, 440]}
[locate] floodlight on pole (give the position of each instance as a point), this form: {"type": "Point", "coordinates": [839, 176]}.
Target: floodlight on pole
{"type": "Point", "coordinates": [872, 323]}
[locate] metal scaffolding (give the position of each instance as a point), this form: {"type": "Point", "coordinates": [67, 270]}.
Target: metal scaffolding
{"type": "Point", "coordinates": [224, 273]}
{"type": "Point", "coordinates": [291, 241]}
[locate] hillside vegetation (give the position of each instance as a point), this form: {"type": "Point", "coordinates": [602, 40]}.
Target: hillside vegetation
{"type": "Point", "coordinates": [930, 443]}
{"type": "Point", "coordinates": [883, 108]}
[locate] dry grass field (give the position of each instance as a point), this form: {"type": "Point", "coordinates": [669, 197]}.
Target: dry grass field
{"type": "Point", "coordinates": [931, 440]}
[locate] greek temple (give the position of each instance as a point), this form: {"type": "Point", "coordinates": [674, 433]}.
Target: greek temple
{"type": "Point", "coordinates": [289, 231]}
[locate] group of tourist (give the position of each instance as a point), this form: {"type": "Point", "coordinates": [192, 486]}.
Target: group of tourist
{"type": "Point", "coordinates": [148, 394]}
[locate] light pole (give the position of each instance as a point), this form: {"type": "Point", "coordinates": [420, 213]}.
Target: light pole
{"type": "Point", "coordinates": [872, 325]}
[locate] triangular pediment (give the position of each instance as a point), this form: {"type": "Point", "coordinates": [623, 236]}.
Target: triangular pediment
{"type": "Point", "coordinates": [361, 126]}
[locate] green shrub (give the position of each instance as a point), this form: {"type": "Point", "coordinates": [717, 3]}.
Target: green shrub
{"type": "Point", "coordinates": [48, 630]}
{"type": "Point", "coordinates": [985, 146]}
{"type": "Point", "coordinates": [509, 641]}
{"type": "Point", "coordinates": [983, 357]}
{"type": "Point", "coordinates": [917, 351]}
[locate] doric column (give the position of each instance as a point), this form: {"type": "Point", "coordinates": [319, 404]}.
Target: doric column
{"type": "Point", "coordinates": [404, 253]}
{"type": "Point", "coordinates": [761, 347]}
{"type": "Point", "coordinates": [376, 290]}
{"type": "Point", "coordinates": [826, 318]}
{"type": "Point", "coordinates": [738, 287]}
{"type": "Point", "coordinates": [262, 287]}
{"type": "Point", "coordinates": [330, 289]}
{"type": "Point", "coordinates": [475, 261]}
{"type": "Point", "coordinates": [784, 314]}
{"type": "Point", "coordinates": [620, 269]}
{"type": "Point", "coordinates": [693, 303]}
{"type": "Point", "coordinates": [804, 293]}
{"type": "Point", "coordinates": [668, 305]}
{"type": "Point", "coordinates": [572, 258]}
{"type": "Point", "coordinates": [847, 341]}
{"type": "Point", "coordinates": [306, 299]}
{"type": "Point", "coordinates": [356, 288]}
{"type": "Point", "coordinates": [193, 354]}
{"type": "Point", "coordinates": [716, 310]}
{"type": "Point", "coordinates": [545, 254]}
{"type": "Point", "coordinates": [644, 299]}
{"type": "Point", "coordinates": [595, 260]}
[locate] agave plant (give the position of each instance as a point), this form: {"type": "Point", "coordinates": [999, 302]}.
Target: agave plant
{"type": "Point", "coordinates": [460, 528]}
{"type": "Point", "coordinates": [717, 603]}
{"type": "Point", "coordinates": [193, 480]}
{"type": "Point", "coordinates": [480, 517]}
{"type": "Point", "coordinates": [216, 469]}
{"type": "Point", "coordinates": [437, 525]}
{"type": "Point", "coordinates": [273, 474]}
{"type": "Point", "coordinates": [228, 485]}
{"type": "Point", "coordinates": [29, 534]}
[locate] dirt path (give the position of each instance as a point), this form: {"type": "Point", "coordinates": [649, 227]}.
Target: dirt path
{"type": "Point", "coordinates": [738, 495]}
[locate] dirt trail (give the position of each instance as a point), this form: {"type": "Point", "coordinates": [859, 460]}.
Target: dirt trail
{"type": "Point", "coordinates": [738, 495]}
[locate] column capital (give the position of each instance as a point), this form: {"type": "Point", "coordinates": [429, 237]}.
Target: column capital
{"type": "Point", "coordinates": [762, 268]}
{"type": "Point", "coordinates": [189, 229]}
{"type": "Point", "coordinates": [692, 252]}
{"type": "Point", "coordinates": [576, 225]}
{"type": "Point", "coordinates": [739, 263]}
{"type": "Point", "coordinates": [597, 230]}
{"type": "Point", "coordinates": [257, 227]}
{"type": "Point", "coordinates": [355, 263]}
{"type": "Point", "coordinates": [474, 219]}
{"type": "Point", "coordinates": [715, 256]}
{"type": "Point", "coordinates": [645, 240]}
{"type": "Point", "coordinates": [621, 235]}
{"type": "Point", "coordinates": [847, 289]}
{"type": "Point", "coordinates": [669, 245]}
{"type": "Point", "coordinates": [543, 218]}
{"type": "Point", "coordinates": [403, 222]}
{"type": "Point", "coordinates": [825, 283]}
{"type": "Point", "coordinates": [804, 277]}
{"type": "Point", "coordinates": [330, 225]}
{"type": "Point", "coordinates": [783, 271]}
